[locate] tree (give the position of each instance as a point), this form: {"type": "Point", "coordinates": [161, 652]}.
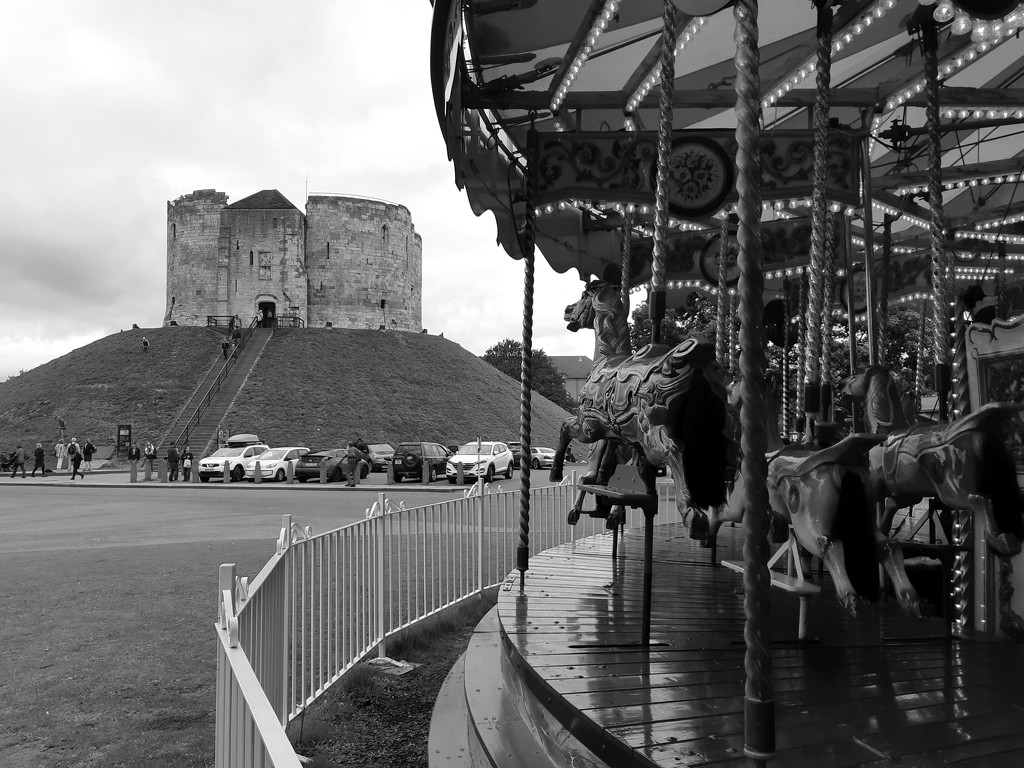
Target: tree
{"type": "Point", "coordinates": [507, 356]}
{"type": "Point", "coordinates": [697, 317]}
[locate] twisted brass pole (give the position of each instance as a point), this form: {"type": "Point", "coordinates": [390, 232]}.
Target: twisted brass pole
{"type": "Point", "coordinates": [828, 279]}
{"type": "Point", "coordinates": [661, 193]}
{"type": "Point", "coordinates": [801, 367]}
{"type": "Point", "coordinates": [526, 371]}
{"type": "Point", "coordinates": [883, 289]}
{"type": "Point", "coordinates": [759, 699]}
{"type": "Point", "coordinates": [627, 256]}
{"type": "Point", "coordinates": [721, 331]}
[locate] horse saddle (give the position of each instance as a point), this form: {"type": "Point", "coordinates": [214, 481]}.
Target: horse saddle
{"type": "Point", "coordinates": [851, 450]}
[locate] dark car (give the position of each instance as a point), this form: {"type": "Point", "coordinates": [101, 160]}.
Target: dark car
{"type": "Point", "coordinates": [409, 457]}
{"type": "Point", "coordinates": [308, 467]}
{"type": "Point", "coordinates": [381, 455]}
{"type": "Point", "coordinates": [517, 448]}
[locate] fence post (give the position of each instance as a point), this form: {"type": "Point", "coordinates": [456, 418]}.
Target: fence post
{"type": "Point", "coordinates": [226, 581]}
{"type": "Point", "coordinates": [572, 485]}
{"type": "Point", "coordinates": [479, 532]}
{"type": "Point", "coordinates": [379, 524]}
{"type": "Point", "coordinates": [286, 612]}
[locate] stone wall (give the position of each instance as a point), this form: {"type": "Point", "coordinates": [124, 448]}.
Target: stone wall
{"type": "Point", "coordinates": [193, 229]}
{"type": "Point", "coordinates": [358, 252]}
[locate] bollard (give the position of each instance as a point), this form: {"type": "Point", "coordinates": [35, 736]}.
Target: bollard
{"type": "Point", "coordinates": [147, 465]}
{"type": "Point", "coordinates": [425, 474]}
{"type": "Point", "coordinates": [133, 472]}
{"type": "Point", "coordinates": [227, 472]}
{"type": "Point", "coordinates": [257, 473]}
{"type": "Point", "coordinates": [323, 472]}
{"type": "Point", "coordinates": [391, 473]}
{"type": "Point", "coordinates": [460, 473]}
{"type": "Point", "coordinates": [162, 472]}
{"type": "Point", "coordinates": [289, 477]}
{"type": "Point", "coordinates": [193, 476]}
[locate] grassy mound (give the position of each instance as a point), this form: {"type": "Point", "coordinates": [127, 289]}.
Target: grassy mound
{"type": "Point", "coordinates": [320, 386]}
{"type": "Point", "coordinates": [106, 383]}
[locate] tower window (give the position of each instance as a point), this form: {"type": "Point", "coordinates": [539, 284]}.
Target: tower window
{"type": "Point", "coordinates": [250, 258]}
{"type": "Point", "coordinates": [236, 245]}
{"type": "Point", "coordinates": [174, 231]}
{"type": "Point", "coordinates": [275, 222]}
{"type": "Point", "coordinates": [328, 250]}
{"type": "Point", "coordinates": [384, 234]}
{"type": "Point", "coordinates": [321, 285]}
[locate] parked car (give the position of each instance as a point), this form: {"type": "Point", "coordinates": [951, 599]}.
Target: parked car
{"type": "Point", "coordinates": [479, 459]}
{"type": "Point", "coordinates": [274, 463]}
{"type": "Point", "coordinates": [381, 455]}
{"type": "Point", "coordinates": [542, 457]}
{"type": "Point", "coordinates": [409, 457]}
{"type": "Point", "coordinates": [234, 458]}
{"type": "Point", "coordinates": [517, 448]}
{"type": "Point", "coordinates": [308, 467]}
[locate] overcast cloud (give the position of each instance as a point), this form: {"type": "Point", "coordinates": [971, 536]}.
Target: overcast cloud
{"type": "Point", "coordinates": [112, 108]}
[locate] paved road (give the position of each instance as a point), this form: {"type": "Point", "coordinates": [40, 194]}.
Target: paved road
{"type": "Point", "coordinates": [105, 510]}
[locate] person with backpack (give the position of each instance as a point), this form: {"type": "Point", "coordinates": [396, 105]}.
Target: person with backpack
{"type": "Point", "coordinates": [87, 454]}
{"type": "Point", "coordinates": [186, 464]}
{"type": "Point", "coordinates": [75, 457]}
{"type": "Point", "coordinates": [148, 457]}
{"type": "Point", "coordinates": [172, 463]}
{"type": "Point", "coordinates": [40, 456]}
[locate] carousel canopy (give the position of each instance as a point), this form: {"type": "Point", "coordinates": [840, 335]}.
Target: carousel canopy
{"type": "Point", "coordinates": [584, 76]}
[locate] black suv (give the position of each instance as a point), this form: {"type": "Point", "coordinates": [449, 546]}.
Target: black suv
{"type": "Point", "coordinates": [409, 458]}
{"type": "Point", "coordinates": [517, 448]}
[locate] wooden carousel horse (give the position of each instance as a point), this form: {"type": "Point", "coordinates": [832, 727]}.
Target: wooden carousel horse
{"type": "Point", "coordinates": [668, 404]}
{"type": "Point", "coordinates": [965, 465]}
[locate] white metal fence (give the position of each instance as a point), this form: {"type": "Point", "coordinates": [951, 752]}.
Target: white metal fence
{"type": "Point", "coordinates": [324, 602]}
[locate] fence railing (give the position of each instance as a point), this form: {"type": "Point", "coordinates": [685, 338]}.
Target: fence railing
{"type": "Point", "coordinates": [324, 602]}
{"type": "Point", "coordinates": [193, 421]}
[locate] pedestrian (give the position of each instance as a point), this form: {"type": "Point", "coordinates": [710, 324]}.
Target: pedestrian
{"type": "Point", "coordinates": [18, 460]}
{"type": "Point", "coordinates": [145, 344]}
{"type": "Point", "coordinates": [351, 463]}
{"type": "Point", "coordinates": [225, 345]}
{"type": "Point", "coordinates": [87, 454]}
{"type": "Point", "coordinates": [172, 463]}
{"type": "Point", "coordinates": [40, 457]}
{"type": "Point", "coordinates": [75, 456]}
{"type": "Point", "coordinates": [134, 455]}
{"type": "Point", "coordinates": [148, 457]}
{"type": "Point", "coordinates": [186, 464]}
{"type": "Point", "coordinates": [60, 450]}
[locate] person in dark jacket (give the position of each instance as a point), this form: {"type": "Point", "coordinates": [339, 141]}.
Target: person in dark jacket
{"type": "Point", "coordinates": [19, 461]}
{"type": "Point", "coordinates": [172, 463]}
{"type": "Point", "coordinates": [186, 464]}
{"type": "Point", "coordinates": [87, 453]}
{"type": "Point", "coordinates": [75, 455]}
{"type": "Point", "coordinates": [40, 457]}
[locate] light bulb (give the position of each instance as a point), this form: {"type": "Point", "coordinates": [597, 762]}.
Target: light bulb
{"type": "Point", "coordinates": [943, 12]}
{"type": "Point", "coordinates": [961, 24]}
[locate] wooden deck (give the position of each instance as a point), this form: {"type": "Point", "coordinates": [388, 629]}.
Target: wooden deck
{"type": "Point", "coordinates": [882, 689]}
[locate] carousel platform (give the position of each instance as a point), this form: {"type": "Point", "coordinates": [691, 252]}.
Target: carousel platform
{"type": "Point", "coordinates": [555, 676]}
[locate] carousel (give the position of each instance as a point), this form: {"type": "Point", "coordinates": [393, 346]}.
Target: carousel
{"type": "Point", "coordinates": [831, 575]}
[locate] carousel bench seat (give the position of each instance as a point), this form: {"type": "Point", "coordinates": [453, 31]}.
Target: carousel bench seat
{"type": "Point", "coordinates": [625, 487]}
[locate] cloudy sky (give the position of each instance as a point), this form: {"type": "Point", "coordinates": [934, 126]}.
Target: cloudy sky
{"type": "Point", "coordinates": [113, 107]}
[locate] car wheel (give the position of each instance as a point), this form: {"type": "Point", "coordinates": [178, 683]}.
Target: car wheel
{"type": "Point", "coordinates": [489, 477]}
{"type": "Point", "coordinates": [237, 473]}
{"type": "Point", "coordinates": [337, 475]}
{"type": "Point", "coordinates": [433, 474]}
{"type": "Point", "coordinates": [535, 464]}
{"type": "Point", "coordinates": [279, 477]}
{"type": "Point", "coordinates": [203, 479]}
{"type": "Point", "coordinates": [508, 471]}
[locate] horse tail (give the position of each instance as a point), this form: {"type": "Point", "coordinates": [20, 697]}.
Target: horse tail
{"type": "Point", "coordinates": [701, 431]}
{"type": "Point", "coordinates": [854, 527]}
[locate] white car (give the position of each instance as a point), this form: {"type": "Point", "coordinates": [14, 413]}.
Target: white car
{"type": "Point", "coordinates": [235, 459]}
{"type": "Point", "coordinates": [542, 457]}
{"type": "Point", "coordinates": [481, 459]}
{"type": "Point", "coordinates": [274, 463]}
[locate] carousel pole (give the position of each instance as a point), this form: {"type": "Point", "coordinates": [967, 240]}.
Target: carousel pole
{"type": "Point", "coordinates": [526, 370]}
{"type": "Point", "coordinates": [940, 278]}
{"type": "Point", "coordinates": [669, 34]}
{"type": "Point", "coordinates": [759, 698]}
{"type": "Point", "coordinates": [787, 291]}
{"type": "Point", "coordinates": [721, 329]}
{"type": "Point", "coordinates": [819, 213]}
{"type": "Point", "coordinates": [883, 288]}
{"type": "Point", "coordinates": [919, 366]}
{"type": "Point", "coordinates": [734, 329]}
{"type": "Point", "coordinates": [828, 279]}
{"type": "Point", "coordinates": [869, 253]}
{"type": "Point", "coordinates": [627, 256]}
{"type": "Point", "coordinates": [801, 362]}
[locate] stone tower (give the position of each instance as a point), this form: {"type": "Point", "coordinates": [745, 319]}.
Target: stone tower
{"type": "Point", "coordinates": [349, 262]}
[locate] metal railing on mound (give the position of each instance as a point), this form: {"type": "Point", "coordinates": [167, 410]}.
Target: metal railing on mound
{"type": "Point", "coordinates": [324, 602]}
{"type": "Point", "coordinates": [229, 364]}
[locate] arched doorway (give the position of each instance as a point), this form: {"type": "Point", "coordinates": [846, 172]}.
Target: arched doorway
{"type": "Point", "coordinates": [267, 311]}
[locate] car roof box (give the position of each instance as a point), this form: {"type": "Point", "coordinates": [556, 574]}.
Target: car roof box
{"type": "Point", "coordinates": [240, 441]}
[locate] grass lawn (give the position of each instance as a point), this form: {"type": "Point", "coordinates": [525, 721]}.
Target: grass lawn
{"type": "Point", "coordinates": [109, 660]}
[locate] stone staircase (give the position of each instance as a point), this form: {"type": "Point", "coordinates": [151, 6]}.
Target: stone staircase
{"type": "Point", "coordinates": [202, 434]}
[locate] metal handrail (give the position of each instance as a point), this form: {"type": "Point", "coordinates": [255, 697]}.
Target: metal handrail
{"type": "Point", "coordinates": [193, 422]}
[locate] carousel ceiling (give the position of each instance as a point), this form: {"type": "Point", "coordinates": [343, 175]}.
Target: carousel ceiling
{"type": "Point", "coordinates": [583, 74]}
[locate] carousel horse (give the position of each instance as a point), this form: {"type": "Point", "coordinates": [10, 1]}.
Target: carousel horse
{"type": "Point", "coordinates": [965, 465]}
{"type": "Point", "coordinates": [667, 404]}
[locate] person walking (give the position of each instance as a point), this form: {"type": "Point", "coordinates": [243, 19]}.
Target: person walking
{"type": "Point", "coordinates": [172, 463]}
{"type": "Point", "coordinates": [87, 454]}
{"type": "Point", "coordinates": [352, 464]}
{"type": "Point", "coordinates": [75, 455]}
{"type": "Point", "coordinates": [60, 450]}
{"type": "Point", "coordinates": [148, 457]}
{"type": "Point", "coordinates": [145, 344]}
{"type": "Point", "coordinates": [134, 456]}
{"type": "Point", "coordinates": [40, 456]}
{"type": "Point", "coordinates": [225, 345]}
{"type": "Point", "coordinates": [18, 460]}
{"type": "Point", "coordinates": [186, 464]}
